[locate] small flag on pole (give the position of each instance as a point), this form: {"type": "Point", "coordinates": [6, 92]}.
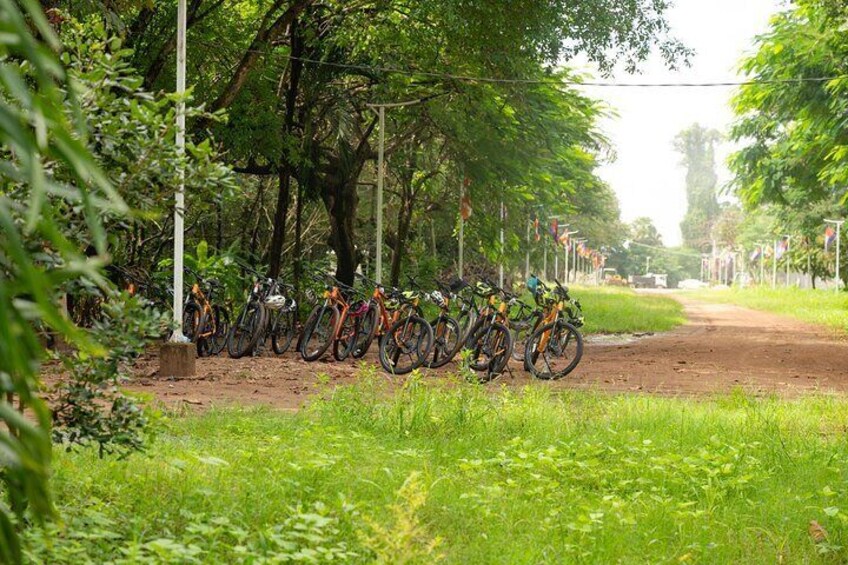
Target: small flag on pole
{"type": "Point", "coordinates": [829, 237]}
{"type": "Point", "coordinates": [536, 228]}
{"type": "Point", "coordinates": [465, 207]}
{"type": "Point", "coordinates": [756, 253]}
{"type": "Point", "coordinates": [555, 229]}
{"type": "Point", "coordinates": [782, 248]}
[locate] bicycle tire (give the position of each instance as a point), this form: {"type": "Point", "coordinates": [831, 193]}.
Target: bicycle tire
{"type": "Point", "coordinates": [393, 345]}
{"type": "Point", "coordinates": [495, 341]}
{"type": "Point", "coordinates": [320, 316]}
{"type": "Point", "coordinates": [343, 346]}
{"type": "Point", "coordinates": [218, 341]}
{"type": "Point", "coordinates": [245, 333]}
{"type": "Point", "coordinates": [282, 331]}
{"type": "Point", "coordinates": [367, 332]}
{"type": "Point", "coordinates": [443, 352]}
{"type": "Point", "coordinates": [532, 353]}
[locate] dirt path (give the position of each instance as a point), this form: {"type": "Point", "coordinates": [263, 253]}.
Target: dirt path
{"type": "Point", "coordinates": [720, 348]}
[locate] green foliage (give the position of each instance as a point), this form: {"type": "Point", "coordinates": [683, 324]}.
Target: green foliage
{"type": "Point", "coordinates": [598, 478]}
{"type": "Point", "coordinates": [697, 146]}
{"type": "Point", "coordinates": [88, 406]}
{"type": "Point", "coordinates": [793, 133]}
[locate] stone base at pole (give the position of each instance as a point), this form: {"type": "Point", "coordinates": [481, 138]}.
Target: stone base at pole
{"type": "Point", "coordinates": [177, 359]}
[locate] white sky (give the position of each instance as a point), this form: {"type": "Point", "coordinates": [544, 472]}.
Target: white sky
{"type": "Point", "coordinates": [647, 176]}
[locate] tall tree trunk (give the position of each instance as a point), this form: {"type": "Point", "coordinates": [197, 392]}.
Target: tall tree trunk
{"type": "Point", "coordinates": [278, 238]}
{"type": "Point", "coordinates": [340, 201]}
{"type": "Point", "coordinates": [399, 250]}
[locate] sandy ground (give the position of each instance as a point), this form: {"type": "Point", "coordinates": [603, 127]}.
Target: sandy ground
{"type": "Point", "coordinates": [722, 347]}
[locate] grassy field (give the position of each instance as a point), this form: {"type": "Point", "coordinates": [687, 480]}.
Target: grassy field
{"type": "Point", "coordinates": [826, 308]}
{"type": "Point", "coordinates": [621, 310]}
{"type": "Point", "coordinates": [464, 476]}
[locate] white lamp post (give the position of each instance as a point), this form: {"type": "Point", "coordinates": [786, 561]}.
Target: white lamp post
{"type": "Point", "coordinates": [838, 248]}
{"type": "Point", "coordinates": [179, 208]}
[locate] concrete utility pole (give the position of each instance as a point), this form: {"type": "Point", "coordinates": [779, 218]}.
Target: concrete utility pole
{"type": "Point", "coordinates": [762, 247]}
{"type": "Point", "coordinates": [179, 208]}
{"type": "Point", "coordinates": [527, 254]}
{"type": "Point", "coordinates": [838, 249]}
{"type": "Point", "coordinates": [177, 356]}
{"type": "Point", "coordinates": [576, 261]}
{"type": "Point", "coordinates": [647, 264]}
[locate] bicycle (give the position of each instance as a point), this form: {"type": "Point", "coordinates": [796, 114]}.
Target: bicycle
{"type": "Point", "coordinates": [555, 348]}
{"type": "Point", "coordinates": [323, 327]}
{"type": "Point", "coordinates": [410, 337]}
{"type": "Point", "coordinates": [384, 309]}
{"type": "Point", "coordinates": [204, 323]}
{"type": "Point", "coordinates": [447, 334]}
{"type": "Point", "coordinates": [266, 313]}
{"type": "Point", "coordinates": [490, 342]}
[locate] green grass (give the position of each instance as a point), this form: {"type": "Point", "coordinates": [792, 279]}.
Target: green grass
{"type": "Point", "coordinates": [826, 308]}
{"type": "Point", "coordinates": [468, 476]}
{"type": "Point", "coordinates": [621, 310]}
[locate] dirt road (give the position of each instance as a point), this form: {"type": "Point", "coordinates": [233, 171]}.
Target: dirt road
{"type": "Point", "coordinates": [721, 347]}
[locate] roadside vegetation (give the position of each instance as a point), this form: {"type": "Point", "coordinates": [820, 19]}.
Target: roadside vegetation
{"type": "Point", "coordinates": [465, 476]}
{"type": "Point", "coordinates": [611, 310]}
{"type": "Point", "coordinates": [824, 308]}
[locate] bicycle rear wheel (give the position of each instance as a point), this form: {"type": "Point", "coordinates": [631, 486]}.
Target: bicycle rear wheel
{"type": "Point", "coordinates": [318, 332]}
{"type": "Point", "coordinates": [406, 346]}
{"type": "Point", "coordinates": [346, 338]}
{"type": "Point", "coordinates": [218, 340]}
{"type": "Point", "coordinates": [282, 331]}
{"type": "Point", "coordinates": [553, 351]}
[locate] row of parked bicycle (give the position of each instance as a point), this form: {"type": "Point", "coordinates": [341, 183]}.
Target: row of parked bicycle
{"type": "Point", "coordinates": [489, 323]}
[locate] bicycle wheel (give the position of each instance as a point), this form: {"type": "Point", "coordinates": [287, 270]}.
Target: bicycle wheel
{"type": "Point", "coordinates": [466, 321]}
{"type": "Point", "coordinates": [282, 331]}
{"type": "Point", "coordinates": [366, 331]}
{"type": "Point", "coordinates": [446, 341]}
{"type": "Point", "coordinates": [406, 346]}
{"type": "Point", "coordinates": [346, 338]}
{"type": "Point", "coordinates": [246, 331]}
{"type": "Point", "coordinates": [491, 348]}
{"type": "Point", "coordinates": [553, 351]}
{"type": "Point", "coordinates": [191, 321]}
{"type": "Point", "coordinates": [218, 340]}
{"type": "Point", "coordinates": [319, 332]}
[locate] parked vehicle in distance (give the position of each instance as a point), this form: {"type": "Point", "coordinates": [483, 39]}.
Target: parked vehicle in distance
{"type": "Point", "coordinates": [649, 280]}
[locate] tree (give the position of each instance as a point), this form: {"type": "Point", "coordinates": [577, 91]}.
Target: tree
{"type": "Point", "coordinates": [697, 146]}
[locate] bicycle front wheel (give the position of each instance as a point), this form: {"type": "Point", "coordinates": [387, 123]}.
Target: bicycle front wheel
{"type": "Point", "coordinates": [246, 331]}
{"type": "Point", "coordinates": [446, 341]}
{"type": "Point", "coordinates": [491, 348]}
{"type": "Point", "coordinates": [553, 351]}
{"type": "Point", "coordinates": [406, 346]}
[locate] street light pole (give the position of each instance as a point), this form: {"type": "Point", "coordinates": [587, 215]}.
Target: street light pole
{"type": "Point", "coordinates": [774, 265]}
{"type": "Point", "coordinates": [788, 241]}
{"type": "Point", "coordinates": [179, 208]}
{"type": "Point", "coordinates": [567, 270]}
{"type": "Point", "coordinates": [380, 109]}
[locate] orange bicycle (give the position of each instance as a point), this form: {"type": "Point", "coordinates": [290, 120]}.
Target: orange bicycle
{"type": "Point", "coordinates": [204, 323]}
{"type": "Point", "coordinates": [556, 346]}
{"type": "Point", "coordinates": [326, 325]}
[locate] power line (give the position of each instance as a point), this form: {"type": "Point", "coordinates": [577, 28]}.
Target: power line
{"type": "Point", "coordinates": [561, 82]}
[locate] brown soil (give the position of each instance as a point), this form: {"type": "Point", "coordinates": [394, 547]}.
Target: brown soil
{"type": "Point", "coordinates": [722, 347]}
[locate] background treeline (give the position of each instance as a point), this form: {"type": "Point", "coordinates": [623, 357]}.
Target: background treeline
{"type": "Point", "coordinates": [282, 162]}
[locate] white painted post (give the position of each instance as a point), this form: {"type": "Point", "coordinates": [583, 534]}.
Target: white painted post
{"type": "Point", "coordinates": [527, 254]}
{"type": "Point", "coordinates": [179, 208]}
{"type": "Point", "coordinates": [378, 246]}
{"type": "Point", "coordinates": [501, 266]}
